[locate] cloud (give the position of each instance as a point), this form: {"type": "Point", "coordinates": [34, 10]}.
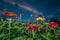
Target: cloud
{"type": "Point", "coordinates": [29, 9]}
{"type": "Point", "coordinates": [25, 6]}
{"type": "Point", "coordinates": [10, 2]}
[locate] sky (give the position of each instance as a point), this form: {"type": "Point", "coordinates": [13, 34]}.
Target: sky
{"type": "Point", "coordinates": [47, 8]}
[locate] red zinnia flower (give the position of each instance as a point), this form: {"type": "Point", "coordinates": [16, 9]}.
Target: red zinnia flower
{"type": "Point", "coordinates": [9, 13]}
{"type": "Point", "coordinates": [53, 24]}
{"type": "Point", "coordinates": [35, 28]}
{"type": "Point", "coordinates": [32, 27]}
{"type": "Point", "coordinates": [29, 27]}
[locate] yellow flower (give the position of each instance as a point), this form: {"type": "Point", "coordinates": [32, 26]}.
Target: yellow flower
{"type": "Point", "coordinates": [41, 18]}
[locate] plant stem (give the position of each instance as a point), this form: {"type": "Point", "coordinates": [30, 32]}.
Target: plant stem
{"type": "Point", "coordinates": [9, 27]}
{"type": "Point", "coordinates": [33, 33]}
{"type": "Point", "coordinates": [37, 22]}
{"type": "Point", "coordinates": [20, 18]}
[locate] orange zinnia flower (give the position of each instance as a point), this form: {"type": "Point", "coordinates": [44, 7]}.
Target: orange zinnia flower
{"type": "Point", "coordinates": [9, 13]}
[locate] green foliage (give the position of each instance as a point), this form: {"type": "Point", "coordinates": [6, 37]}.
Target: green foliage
{"type": "Point", "coordinates": [18, 32]}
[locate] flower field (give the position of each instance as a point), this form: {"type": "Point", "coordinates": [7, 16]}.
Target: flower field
{"type": "Point", "coordinates": [38, 30]}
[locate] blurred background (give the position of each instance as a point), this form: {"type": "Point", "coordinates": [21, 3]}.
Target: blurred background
{"type": "Point", "coordinates": [50, 9]}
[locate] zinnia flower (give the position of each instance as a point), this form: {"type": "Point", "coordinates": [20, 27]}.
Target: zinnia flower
{"type": "Point", "coordinates": [29, 27]}
{"type": "Point", "coordinates": [44, 28]}
{"type": "Point", "coordinates": [40, 18]}
{"type": "Point", "coordinates": [53, 24]}
{"type": "Point", "coordinates": [37, 17]}
{"type": "Point", "coordinates": [9, 13]}
{"type": "Point", "coordinates": [35, 28]}
{"type": "Point", "coordinates": [32, 27]}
